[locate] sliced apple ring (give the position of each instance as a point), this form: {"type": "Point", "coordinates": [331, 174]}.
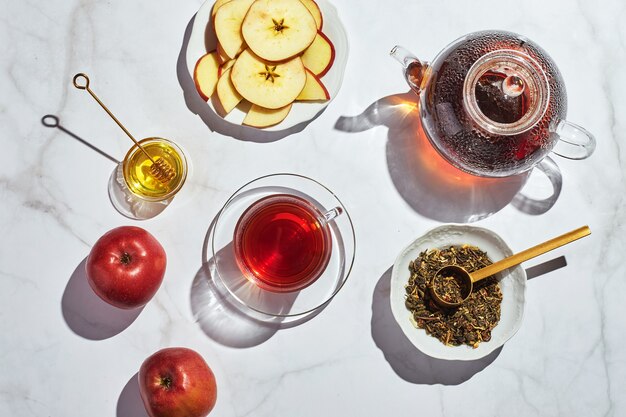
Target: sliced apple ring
{"type": "Point", "coordinates": [314, 89]}
{"type": "Point", "coordinates": [276, 30]}
{"type": "Point", "coordinates": [261, 117]}
{"type": "Point", "coordinates": [221, 55]}
{"type": "Point", "coordinates": [268, 84]}
{"type": "Point", "coordinates": [225, 66]}
{"type": "Point", "coordinates": [205, 75]}
{"type": "Point", "coordinates": [319, 57]}
{"type": "Point", "coordinates": [315, 12]}
{"type": "Point", "coordinates": [218, 4]}
{"type": "Point", "coordinates": [226, 92]}
{"type": "Point", "coordinates": [228, 21]}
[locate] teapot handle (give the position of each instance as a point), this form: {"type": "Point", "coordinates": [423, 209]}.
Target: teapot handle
{"type": "Point", "coordinates": [574, 142]}
{"type": "Point", "coordinates": [415, 71]}
{"type": "Point", "coordinates": [533, 206]}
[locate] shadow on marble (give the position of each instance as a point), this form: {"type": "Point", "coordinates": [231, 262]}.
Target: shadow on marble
{"type": "Point", "coordinates": [220, 319]}
{"type": "Point", "coordinates": [216, 311]}
{"type": "Point", "coordinates": [129, 205]}
{"type": "Point", "coordinates": [546, 267]}
{"type": "Point", "coordinates": [405, 359]}
{"type": "Point", "coordinates": [129, 404]}
{"type": "Point", "coordinates": [428, 183]}
{"type": "Point", "coordinates": [52, 121]}
{"type": "Point", "coordinates": [208, 116]}
{"type": "Point", "coordinates": [225, 319]}
{"type": "Point", "coordinates": [89, 316]}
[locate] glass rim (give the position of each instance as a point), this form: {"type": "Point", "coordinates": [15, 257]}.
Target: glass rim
{"type": "Point", "coordinates": [249, 273]}
{"type": "Point", "coordinates": [347, 272]}
{"type": "Point", "coordinates": [134, 149]}
{"type": "Point", "coordinates": [537, 77]}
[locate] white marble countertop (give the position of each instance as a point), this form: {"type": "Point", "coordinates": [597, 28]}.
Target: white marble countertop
{"type": "Point", "coordinates": [64, 353]}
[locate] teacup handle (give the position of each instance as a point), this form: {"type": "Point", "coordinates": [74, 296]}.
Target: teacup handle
{"type": "Point", "coordinates": [331, 214]}
{"type": "Point", "coordinates": [574, 141]}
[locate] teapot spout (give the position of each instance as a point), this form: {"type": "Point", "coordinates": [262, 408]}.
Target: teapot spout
{"type": "Point", "coordinates": [415, 71]}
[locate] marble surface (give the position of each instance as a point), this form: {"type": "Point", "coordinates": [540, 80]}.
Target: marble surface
{"type": "Point", "coordinates": [65, 353]}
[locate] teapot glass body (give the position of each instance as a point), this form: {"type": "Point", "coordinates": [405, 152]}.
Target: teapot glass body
{"type": "Point", "coordinates": [494, 104]}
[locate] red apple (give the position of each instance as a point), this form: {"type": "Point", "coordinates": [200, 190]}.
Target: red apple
{"type": "Point", "coordinates": [126, 266]}
{"type": "Point", "coordinates": [177, 382]}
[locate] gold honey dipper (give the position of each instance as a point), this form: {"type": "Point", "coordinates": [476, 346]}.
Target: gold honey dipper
{"type": "Point", "coordinates": [160, 169]}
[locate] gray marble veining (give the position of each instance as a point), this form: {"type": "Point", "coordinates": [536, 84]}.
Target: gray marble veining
{"type": "Point", "coordinates": [63, 352]}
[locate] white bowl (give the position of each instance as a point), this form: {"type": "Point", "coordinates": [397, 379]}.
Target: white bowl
{"type": "Point", "coordinates": [512, 284]}
{"type": "Point", "coordinates": [202, 41]}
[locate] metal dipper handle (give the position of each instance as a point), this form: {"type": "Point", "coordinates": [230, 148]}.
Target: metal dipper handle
{"type": "Point", "coordinates": [160, 169]}
{"type": "Point", "coordinates": [466, 280]}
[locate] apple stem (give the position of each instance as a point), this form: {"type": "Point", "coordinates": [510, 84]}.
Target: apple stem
{"type": "Point", "coordinates": [126, 258]}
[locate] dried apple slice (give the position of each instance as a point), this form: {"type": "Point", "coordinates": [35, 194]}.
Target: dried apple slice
{"type": "Point", "coordinates": [261, 117]}
{"type": "Point", "coordinates": [268, 84]}
{"type": "Point", "coordinates": [226, 92]}
{"type": "Point", "coordinates": [205, 74]}
{"type": "Point", "coordinates": [217, 5]}
{"type": "Point", "coordinates": [276, 30]}
{"type": "Point", "coordinates": [313, 89]}
{"type": "Point", "coordinates": [225, 58]}
{"type": "Point", "coordinates": [228, 21]}
{"type": "Point", "coordinates": [319, 57]}
{"type": "Point", "coordinates": [225, 66]}
{"type": "Point", "coordinates": [315, 11]}
{"type": "Point", "coordinates": [221, 55]}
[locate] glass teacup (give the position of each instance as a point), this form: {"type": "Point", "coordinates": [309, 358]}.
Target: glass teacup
{"type": "Point", "coordinates": [283, 243]}
{"type": "Point", "coordinates": [273, 276]}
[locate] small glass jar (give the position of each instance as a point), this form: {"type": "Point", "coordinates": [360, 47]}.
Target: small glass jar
{"type": "Point", "coordinates": [136, 169]}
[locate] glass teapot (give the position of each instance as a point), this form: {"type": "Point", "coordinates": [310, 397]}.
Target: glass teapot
{"type": "Point", "coordinates": [493, 104]}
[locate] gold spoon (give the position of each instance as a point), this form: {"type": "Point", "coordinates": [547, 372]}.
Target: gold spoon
{"type": "Point", "coordinates": [466, 280]}
{"type": "Point", "coordinates": [160, 169]}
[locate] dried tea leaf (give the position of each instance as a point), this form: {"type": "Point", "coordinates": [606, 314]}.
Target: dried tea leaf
{"type": "Point", "coordinates": [473, 321]}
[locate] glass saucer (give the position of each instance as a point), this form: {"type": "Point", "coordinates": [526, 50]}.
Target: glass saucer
{"type": "Point", "coordinates": [288, 306]}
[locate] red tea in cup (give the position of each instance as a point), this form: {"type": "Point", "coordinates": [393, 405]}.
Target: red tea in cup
{"type": "Point", "coordinates": [282, 243]}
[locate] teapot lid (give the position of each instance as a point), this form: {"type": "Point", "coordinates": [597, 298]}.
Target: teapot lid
{"type": "Point", "coordinates": [506, 92]}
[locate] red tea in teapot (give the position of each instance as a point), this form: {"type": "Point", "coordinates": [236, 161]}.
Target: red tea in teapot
{"type": "Point", "coordinates": [502, 98]}
{"type": "Point", "coordinates": [490, 102]}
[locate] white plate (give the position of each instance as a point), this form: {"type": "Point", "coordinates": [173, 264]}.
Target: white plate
{"type": "Point", "coordinates": [512, 283]}
{"type": "Point", "coordinates": [202, 41]}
